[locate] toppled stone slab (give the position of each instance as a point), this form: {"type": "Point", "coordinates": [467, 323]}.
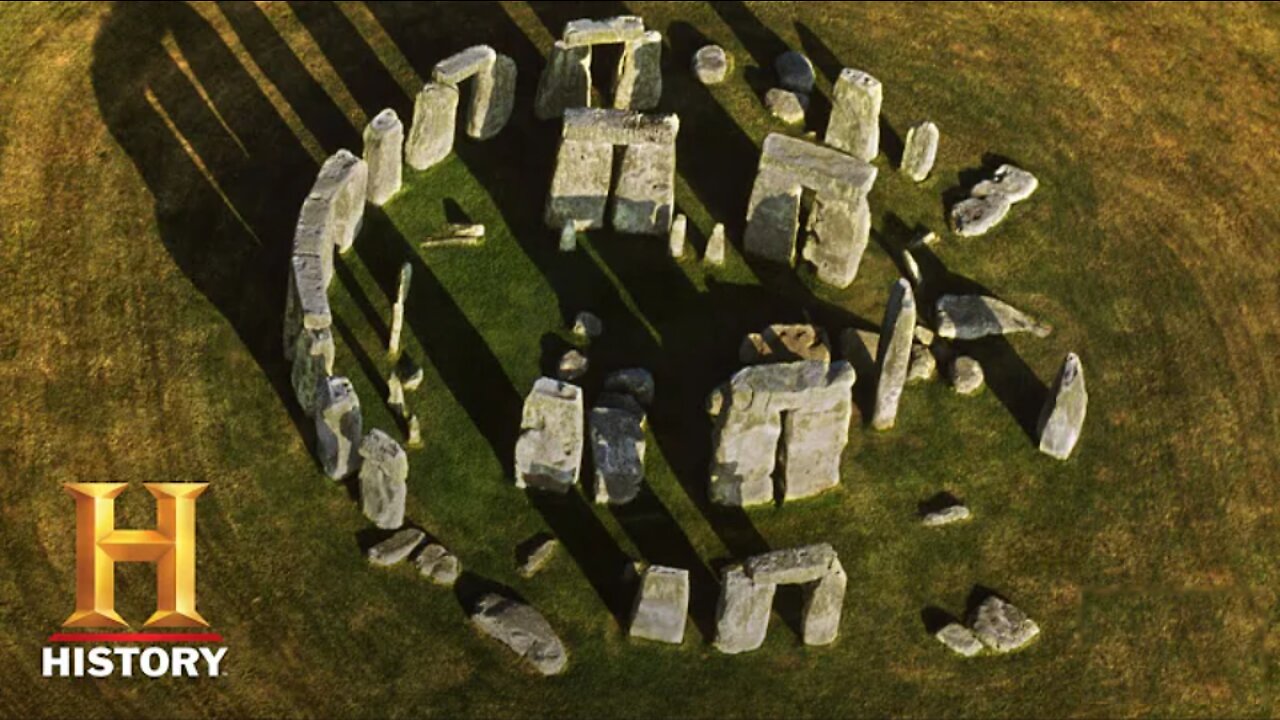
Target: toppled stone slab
{"type": "Point", "coordinates": [1001, 626]}
{"type": "Point", "coordinates": [714, 254]}
{"type": "Point", "coordinates": [573, 365]}
{"type": "Point", "coordinates": [1010, 181]}
{"type": "Point", "coordinates": [837, 236]}
{"type": "Point", "coordinates": [959, 639]}
{"type": "Point", "coordinates": [894, 354]}
{"type": "Point", "coordinates": [785, 343]}
{"type": "Point", "coordinates": [523, 629]}
{"type": "Point", "coordinates": [946, 516]}
{"type": "Point", "coordinates": [805, 564]}
{"type": "Point", "coordinates": [636, 382]}
{"type": "Point", "coordinates": [397, 547]}
{"type": "Point", "coordinates": [397, 311]}
{"type": "Point", "coordinates": [661, 606]}
{"type": "Point", "coordinates": [383, 471]}
{"type": "Point", "coordinates": [969, 317]}
{"type": "Point", "coordinates": [1064, 411]}
{"type": "Point", "coordinates": [920, 151]}
{"type": "Point", "coordinates": [456, 235]}
{"type": "Point", "coordinates": [742, 612]}
{"type": "Point", "coordinates": [549, 449]}
{"type": "Point", "coordinates": [438, 565]}
{"type": "Point", "coordinates": [644, 197]}
{"type": "Point", "coordinates": [569, 235]}
{"type": "Point", "coordinates": [620, 29]}
{"type": "Point", "coordinates": [855, 115]}
{"type": "Point", "coordinates": [306, 303]}
{"type": "Point", "coordinates": [747, 414]}
{"type": "Point", "coordinates": [343, 185]}
{"type": "Point", "coordinates": [339, 427]}
{"type": "Point", "coordinates": [435, 117]}
{"type": "Point", "coordinates": [824, 606]}
{"type": "Point", "coordinates": [383, 153]}
{"type": "Point", "coordinates": [786, 105]}
{"type": "Point", "coordinates": [711, 64]}
{"type": "Point", "coordinates": [587, 326]}
{"type": "Point", "coordinates": [535, 553]}
{"type": "Point", "coordinates": [617, 451]}
{"type": "Point", "coordinates": [989, 201]}
{"type": "Point", "coordinates": [795, 72]}
{"type": "Point", "coordinates": [966, 375]}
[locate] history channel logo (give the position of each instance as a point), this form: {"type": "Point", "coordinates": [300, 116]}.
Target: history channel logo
{"type": "Point", "coordinates": [171, 547]}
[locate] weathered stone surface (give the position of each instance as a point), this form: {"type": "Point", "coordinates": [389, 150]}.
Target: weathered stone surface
{"type": "Point", "coordinates": [438, 565]}
{"type": "Point", "coordinates": [492, 99]}
{"type": "Point", "coordinates": [795, 71]}
{"type": "Point", "coordinates": [742, 612]}
{"type": "Point", "coordinates": [569, 236]}
{"type": "Point", "coordinates": [397, 547]}
{"type": "Point", "coordinates": [566, 81]}
{"type": "Point", "coordinates": [1064, 411]}
{"type": "Point", "coordinates": [676, 236]}
{"type": "Point", "coordinates": [339, 427]}
{"type": "Point", "coordinates": [644, 198]}
{"type": "Point", "coordinates": [617, 451]}
{"type": "Point", "coordinates": [456, 235]}
{"type": "Point", "coordinates": [397, 311]}
{"type": "Point", "coordinates": [855, 114]}
{"type": "Point", "coordinates": [638, 85]}
{"type": "Point", "coordinates": [343, 181]}
{"type": "Point", "coordinates": [383, 471]}
{"type": "Point", "coordinates": [837, 238]}
{"type": "Point", "coordinates": [714, 254]}
{"type": "Point", "coordinates": [894, 354]}
{"type": "Point", "coordinates": [523, 629]}
{"type": "Point", "coordinates": [966, 375]}
{"type": "Point", "coordinates": [747, 414]}
{"type": "Point", "coordinates": [946, 516]}
{"type": "Point", "coordinates": [711, 64]}
{"type": "Point", "coordinates": [435, 117]}
{"type": "Point", "coordinates": [969, 317]}
{"type": "Point", "coordinates": [787, 105]}
{"type": "Point", "coordinates": [920, 150]}
{"type": "Point", "coordinates": [464, 64]}
{"type": "Point", "coordinates": [313, 356]}
{"type": "Point", "coordinates": [805, 564]}
{"type": "Point", "coordinates": [823, 606]}
{"type": "Point", "coordinates": [959, 639]}
{"type": "Point", "coordinates": [989, 201]}
{"type": "Point", "coordinates": [573, 365]}
{"type": "Point", "coordinates": [383, 154]}
{"type": "Point", "coordinates": [580, 186]}
{"type": "Point", "coordinates": [922, 365]}
{"type": "Point", "coordinates": [536, 553]}
{"type": "Point", "coordinates": [1010, 181]}
{"type": "Point", "coordinates": [785, 343]}
{"type": "Point", "coordinates": [620, 29]}
{"type": "Point", "coordinates": [414, 439]}
{"type": "Point", "coordinates": [587, 325]}
{"type": "Point", "coordinates": [1001, 626]}
{"type": "Point", "coordinates": [549, 449]}
{"type": "Point", "coordinates": [636, 382]}
{"type": "Point", "coordinates": [662, 605]}
{"type": "Point", "coordinates": [928, 238]}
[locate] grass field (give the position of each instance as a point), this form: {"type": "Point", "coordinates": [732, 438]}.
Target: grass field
{"type": "Point", "coordinates": [154, 158]}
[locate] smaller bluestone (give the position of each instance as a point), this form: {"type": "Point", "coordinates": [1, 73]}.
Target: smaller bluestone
{"type": "Point", "coordinates": [920, 150]}
{"type": "Point", "coordinates": [661, 606]}
{"type": "Point", "coordinates": [383, 472]}
{"type": "Point", "coordinates": [989, 201]}
{"type": "Point", "coordinates": [548, 453]}
{"type": "Point", "coordinates": [522, 629]}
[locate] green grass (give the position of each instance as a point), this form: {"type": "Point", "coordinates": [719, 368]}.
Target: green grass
{"type": "Point", "coordinates": [139, 342]}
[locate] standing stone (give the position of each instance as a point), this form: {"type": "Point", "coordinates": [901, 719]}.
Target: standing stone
{"type": "Point", "coordinates": [549, 449]}
{"type": "Point", "coordinates": [922, 365]}
{"type": "Point", "coordinates": [1062, 418]}
{"type": "Point", "coordinates": [397, 547]}
{"type": "Point", "coordinates": [636, 382]}
{"type": "Point", "coordinates": [855, 115]}
{"type": "Point", "coordinates": [969, 317]}
{"type": "Point", "coordinates": [313, 357]}
{"type": "Point", "coordinates": [662, 605]}
{"type": "Point", "coordinates": [638, 85]}
{"type": "Point", "coordinates": [492, 99]}
{"type": "Point", "coordinates": [414, 440]}
{"type": "Point", "coordinates": [838, 234]}
{"type": "Point", "coordinates": [438, 565]}
{"type": "Point", "coordinates": [959, 639]}
{"type": "Point", "coordinates": [823, 606]}
{"type": "Point", "coordinates": [894, 354]}
{"type": "Point", "coordinates": [573, 365]}
{"type": "Point", "coordinates": [742, 612]}
{"type": "Point", "coordinates": [1001, 626]}
{"type": "Point", "coordinates": [675, 237]}
{"type": "Point", "coordinates": [617, 451]}
{"type": "Point", "coordinates": [566, 81]}
{"type": "Point", "coordinates": [966, 375]}
{"type": "Point", "coordinates": [711, 64]}
{"type": "Point", "coordinates": [786, 105]}
{"type": "Point", "coordinates": [795, 72]}
{"type": "Point", "coordinates": [587, 325]}
{"type": "Point", "coordinates": [383, 472]}
{"type": "Point", "coordinates": [920, 150]}
{"type": "Point", "coordinates": [714, 254]}
{"type": "Point", "coordinates": [383, 153]}
{"type": "Point", "coordinates": [343, 185]}
{"type": "Point", "coordinates": [339, 427]}
{"type": "Point", "coordinates": [644, 197]}
{"type": "Point", "coordinates": [397, 311]}
{"type": "Point", "coordinates": [522, 629]}
{"type": "Point", "coordinates": [435, 117]}
{"type": "Point", "coordinates": [569, 236]}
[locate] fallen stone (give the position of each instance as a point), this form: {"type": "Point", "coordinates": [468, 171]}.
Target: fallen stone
{"type": "Point", "coordinates": [823, 606]}
{"type": "Point", "coordinates": [620, 29]}
{"type": "Point", "coordinates": [587, 325]}
{"type": "Point", "coordinates": [1012, 182]}
{"type": "Point", "coordinates": [339, 427]}
{"type": "Point", "coordinates": [894, 354]}
{"type": "Point", "coordinates": [714, 254]}
{"type": "Point", "coordinates": [397, 547]}
{"type": "Point", "coordinates": [536, 553]}
{"type": "Point", "coordinates": [966, 375]}
{"type": "Point", "coordinates": [795, 72]}
{"type": "Point", "coordinates": [990, 200]}
{"type": "Point", "coordinates": [1064, 411]}
{"type": "Point", "coordinates": [711, 64]}
{"type": "Point", "coordinates": [805, 564]}
{"type": "Point", "coordinates": [343, 185]}
{"type": "Point", "coordinates": [617, 451]}
{"type": "Point", "coordinates": [946, 516]}
{"type": "Point", "coordinates": [959, 639]}
{"type": "Point", "coordinates": [969, 317]}
{"type": "Point", "coordinates": [636, 382]}
{"type": "Point", "coordinates": [1001, 626]}
{"type": "Point", "coordinates": [644, 197]}
{"type": "Point", "coordinates": [922, 365]}
{"type": "Point", "coordinates": [435, 113]}
{"type": "Point", "coordinates": [549, 449]}
{"type": "Point", "coordinates": [676, 236]}
{"type": "Point", "coordinates": [438, 565]}
{"type": "Point", "coordinates": [456, 235]}
{"type": "Point", "coordinates": [638, 83]}
{"type": "Point", "coordinates": [786, 105]}
{"type": "Point", "coordinates": [920, 150]}
{"type": "Point", "coordinates": [662, 605]}
{"type": "Point", "coordinates": [383, 472]}
{"type": "Point", "coordinates": [855, 115]}
{"type": "Point", "coordinates": [383, 153]}
{"type": "Point", "coordinates": [785, 343]}
{"type": "Point", "coordinates": [742, 612]}
{"type": "Point", "coordinates": [928, 238]}
{"type": "Point", "coordinates": [573, 365]}
{"type": "Point", "coordinates": [523, 629]}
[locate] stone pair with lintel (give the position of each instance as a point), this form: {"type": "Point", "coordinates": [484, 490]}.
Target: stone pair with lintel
{"type": "Point", "coordinates": [435, 109]}
{"type": "Point", "coordinates": [747, 590]}
{"type": "Point", "coordinates": [566, 80]}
